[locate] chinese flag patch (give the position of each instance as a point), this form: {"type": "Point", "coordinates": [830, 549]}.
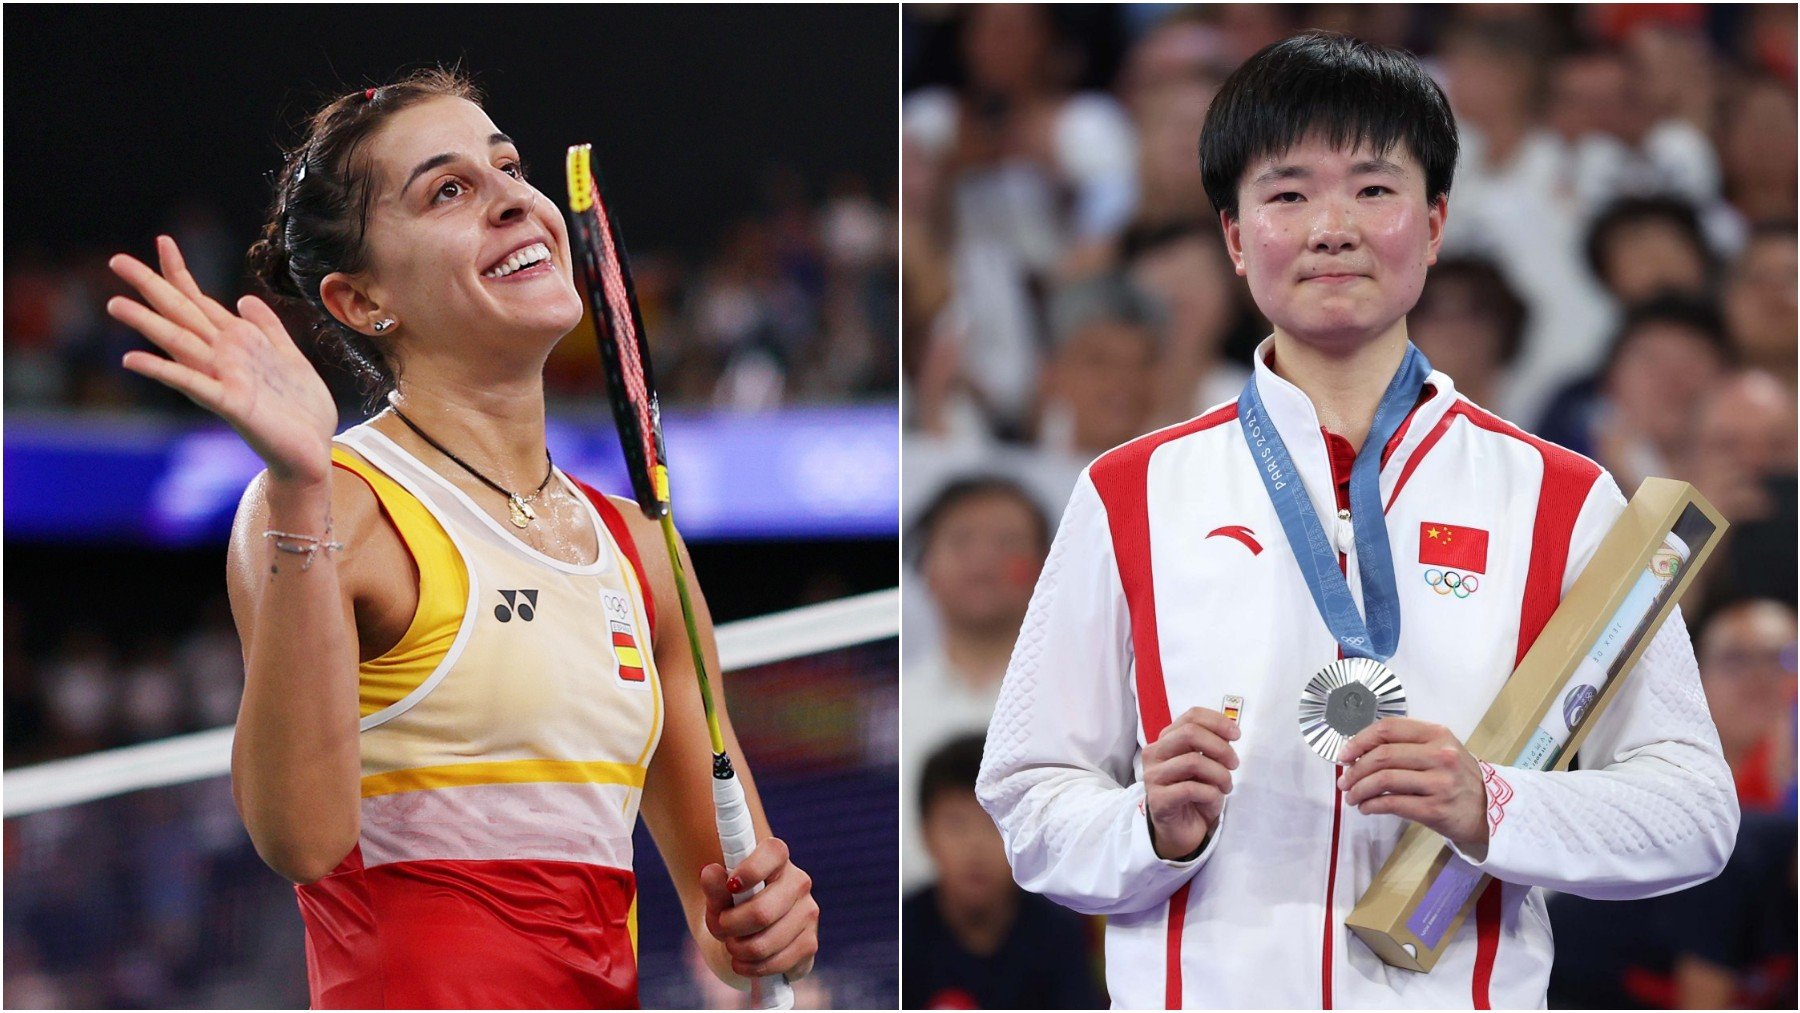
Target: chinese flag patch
{"type": "Point", "coordinates": [1454, 546]}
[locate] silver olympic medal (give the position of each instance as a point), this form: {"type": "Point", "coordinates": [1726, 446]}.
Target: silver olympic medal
{"type": "Point", "coordinates": [1345, 697]}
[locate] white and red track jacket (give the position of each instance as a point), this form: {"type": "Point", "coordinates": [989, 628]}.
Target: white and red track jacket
{"type": "Point", "coordinates": [1171, 585]}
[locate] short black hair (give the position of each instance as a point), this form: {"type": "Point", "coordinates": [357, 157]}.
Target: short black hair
{"type": "Point", "coordinates": [1699, 316]}
{"type": "Point", "coordinates": [1349, 91]}
{"type": "Point", "coordinates": [953, 766]}
{"type": "Point", "coordinates": [1622, 214]}
{"type": "Point", "coordinates": [1493, 297]}
{"type": "Point", "coordinates": [971, 487]}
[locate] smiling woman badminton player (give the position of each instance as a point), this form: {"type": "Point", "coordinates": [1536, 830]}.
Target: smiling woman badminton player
{"type": "Point", "coordinates": [466, 672]}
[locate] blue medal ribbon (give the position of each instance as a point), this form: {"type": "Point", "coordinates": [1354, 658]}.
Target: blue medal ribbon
{"type": "Point", "coordinates": [1380, 634]}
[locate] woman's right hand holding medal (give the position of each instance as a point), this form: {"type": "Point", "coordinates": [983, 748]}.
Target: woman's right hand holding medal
{"type": "Point", "coordinates": [1187, 774]}
{"type": "Point", "coordinates": [242, 367]}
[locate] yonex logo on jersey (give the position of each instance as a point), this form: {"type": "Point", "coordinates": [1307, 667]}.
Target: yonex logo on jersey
{"type": "Point", "coordinates": [524, 602]}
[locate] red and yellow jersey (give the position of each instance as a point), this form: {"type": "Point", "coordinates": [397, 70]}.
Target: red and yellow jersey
{"type": "Point", "coordinates": [505, 740]}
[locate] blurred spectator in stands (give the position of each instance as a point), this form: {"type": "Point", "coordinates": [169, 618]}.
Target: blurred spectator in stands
{"type": "Point", "coordinates": [981, 543]}
{"type": "Point", "coordinates": [1105, 334]}
{"type": "Point", "coordinates": [1470, 325]}
{"type": "Point", "coordinates": [1515, 203]}
{"type": "Point", "coordinates": [1091, 396]}
{"type": "Point", "coordinates": [1746, 653]}
{"type": "Point", "coordinates": [1643, 247]}
{"type": "Point", "coordinates": [1762, 301]}
{"type": "Point", "coordinates": [925, 241]}
{"type": "Point", "coordinates": [1242, 29]}
{"type": "Point", "coordinates": [1037, 181]}
{"type": "Point", "coordinates": [27, 986]}
{"type": "Point", "coordinates": [1728, 943]}
{"type": "Point", "coordinates": [79, 685]}
{"type": "Point", "coordinates": [1766, 37]}
{"type": "Point", "coordinates": [1183, 268]}
{"type": "Point", "coordinates": [1181, 47]}
{"type": "Point", "coordinates": [1671, 105]}
{"type": "Point", "coordinates": [1757, 147]}
{"type": "Point", "coordinates": [167, 873]}
{"type": "Point", "coordinates": [855, 351]}
{"type": "Point", "coordinates": [35, 373]}
{"type": "Point", "coordinates": [1670, 354]}
{"type": "Point", "coordinates": [974, 940]}
{"type": "Point", "coordinates": [1743, 461]}
{"type": "Point", "coordinates": [213, 662]}
{"type": "Point", "coordinates": [1168, 82]}
{"type": "Point", "coordinates": [1743, 437]}
{"type": "Point", "coordinates": [1637, 416]}
{"type": "Point", "coordinates": [1638, 123]}
{"type": "Point", "coordinates": [796, 303]}
{"type": "Point", "coordinates": [1168, 121]}
{"type": "Point", "coordinates": [1495, 79]}
{"type": "Point", "coordinates": [72, 908]}
{"type": "Point", "coordinates": [153, 701]}
{"type": "Point", "coordinates": [1382, 24]}
{"type": "Point", "coordinates": [743, 315]}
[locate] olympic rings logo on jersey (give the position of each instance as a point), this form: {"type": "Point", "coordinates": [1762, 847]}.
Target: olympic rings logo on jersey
{"type": "Point", "coordinates": [617, 607]}
{"type": "Point", "coordinates": [1448, 582]}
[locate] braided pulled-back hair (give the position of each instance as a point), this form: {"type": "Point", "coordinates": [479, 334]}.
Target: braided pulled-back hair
{"type": "Point", "coordinates": [320, 217]}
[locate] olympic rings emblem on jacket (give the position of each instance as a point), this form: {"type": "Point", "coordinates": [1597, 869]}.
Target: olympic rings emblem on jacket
{"type": "Point", "coordinates": [1449, 582]}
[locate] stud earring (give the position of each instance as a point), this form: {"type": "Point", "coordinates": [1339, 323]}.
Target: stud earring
{"type": "Point", "coordinates": [382, 325]}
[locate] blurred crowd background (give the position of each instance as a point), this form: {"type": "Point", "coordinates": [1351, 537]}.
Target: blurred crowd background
{"type": "Point", "coordinates": [760, 212]}
{"type": "Point", "coordinates": [1618, 275]}
{"type": "Point", "coordinates": [793, 302]}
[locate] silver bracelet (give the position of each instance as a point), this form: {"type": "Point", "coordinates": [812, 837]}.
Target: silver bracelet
{"type": "Point", "coordinates": [304, 545]}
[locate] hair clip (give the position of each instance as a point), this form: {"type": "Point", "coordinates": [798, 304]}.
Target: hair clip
{"type": "Point", "coordinates": [369, 95]}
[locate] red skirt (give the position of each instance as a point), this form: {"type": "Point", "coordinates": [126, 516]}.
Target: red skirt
{"type": "Point", "coordinates": [470, 935]}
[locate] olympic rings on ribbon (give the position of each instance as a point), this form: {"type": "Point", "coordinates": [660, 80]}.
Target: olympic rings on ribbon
{"type": "Point", "coordinates": [1447, 582]}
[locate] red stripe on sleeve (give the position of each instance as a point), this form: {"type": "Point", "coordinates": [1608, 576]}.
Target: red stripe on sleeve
{"type": "Point", "coordinates": [615, 523]}
{"type": "Point", "coordinates": [1119, 477]}
{"type": "Point", "coordinates": [1487, 943]}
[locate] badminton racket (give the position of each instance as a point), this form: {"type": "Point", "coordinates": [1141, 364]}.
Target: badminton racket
{"type": "Point", "coordinates": [625, 354]}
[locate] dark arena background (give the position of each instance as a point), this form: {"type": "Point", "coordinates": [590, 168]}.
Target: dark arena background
{"type": "Point", "coordinates": [750, 157]}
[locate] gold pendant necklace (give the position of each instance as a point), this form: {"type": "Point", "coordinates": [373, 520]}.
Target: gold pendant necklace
{"type": "Point", "coordinates": [517, 509]}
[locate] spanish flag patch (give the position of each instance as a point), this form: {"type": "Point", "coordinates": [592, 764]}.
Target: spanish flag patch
{"type": "Point", "coordinates": [625, 648]}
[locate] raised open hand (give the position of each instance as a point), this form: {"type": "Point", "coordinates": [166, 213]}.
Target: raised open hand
{"type": "Point", "coordinates": [243, 368]}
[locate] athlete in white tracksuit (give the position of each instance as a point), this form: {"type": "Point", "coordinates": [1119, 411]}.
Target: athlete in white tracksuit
{"type": "Point", "coordinates": [1172, 584]}
{"type": "Point", "coordinates": [1143, 611]}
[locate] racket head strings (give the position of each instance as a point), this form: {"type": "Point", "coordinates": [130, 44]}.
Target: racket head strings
{"type": "Point", "coordinates": [619, 330]}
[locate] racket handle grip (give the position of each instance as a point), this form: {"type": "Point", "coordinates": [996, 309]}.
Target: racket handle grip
{"type": "Point", "coordinates": [737, 838]}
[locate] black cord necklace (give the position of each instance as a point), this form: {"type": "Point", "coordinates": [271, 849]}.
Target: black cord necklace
{"type": "Point", "coordinates": [518, 507]}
